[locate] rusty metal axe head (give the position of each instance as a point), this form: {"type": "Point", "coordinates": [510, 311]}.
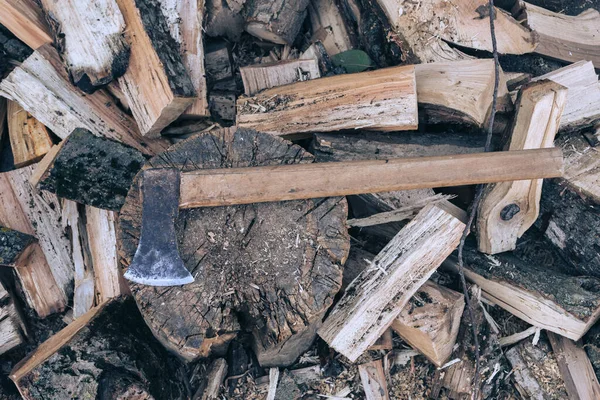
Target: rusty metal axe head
{"type": "Point", "coordinates": [156, 261]}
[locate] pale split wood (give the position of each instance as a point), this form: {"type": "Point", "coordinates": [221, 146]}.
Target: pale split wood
{"type": "Point", "coordinates": [25, 19]}
{"type": "Point", "coordinates": [584, 94]}
{"type": "Point", "coordinates": [41, 86]}
{"type": "Point", "coordinates": [83, 292]}
{"type": "Point", "coordinates": [90, 37]}
{"type": "Point", "coordinates": [374, 380]}
{"type": "Point", "coordinates": [157, 87]}
{"type": "Point", "coordinates": [275, 21]}
{"type": "Point", "coordinates": [575, 368]}
{"type": "Point", "coordinates": [211, 384]}
{"type": "Point", "coordinates": [185, 20]}
{"type": "Point", "coordinates": [328, 26]}
{"type": "Point", "coordinates": [459, 91]}
{"type": "Point", "coordinates": [384, 99]}
{"type": "Point", "coordinates": [102, 242]}
{"type": "Point", "coordinates": [582, 165]}
{"type": "Point", "coordinates": [29, 139]}
{"type": "Point", "coordinates": [39, 285]}
{"type": "Point", "coordinates": [429, 322]}
{"type": "Point", "coordinates": [426, 26]}
{"type": "Point", "coordinates": [563, 37]}
{"type": "Point", "coordinates": [508, 209]}
{"type": "Point", "coordinates": [229, 186]}
{"type": "Point", "coordinates": [265, 76]}
{"type": "Point", "coordinates": [11, 334]}
{"type": "Point", "coordinates": [378, 294]}
{"type": "Point", "coordinates": [273, 380]}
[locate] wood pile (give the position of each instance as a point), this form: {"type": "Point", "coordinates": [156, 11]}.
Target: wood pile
{"type": "Point", "coordinates": [323, 173]}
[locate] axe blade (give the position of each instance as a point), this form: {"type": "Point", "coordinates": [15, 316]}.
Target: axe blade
{"type": "Point", "coordinates": [156, 261]}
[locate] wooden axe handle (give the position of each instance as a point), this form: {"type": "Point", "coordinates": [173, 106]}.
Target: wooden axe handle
{"type": "Point", "coordinates": [229, 186]}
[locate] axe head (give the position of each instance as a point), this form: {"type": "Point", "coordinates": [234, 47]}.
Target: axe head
{"type": "Point", "coordinates": [156, 261]}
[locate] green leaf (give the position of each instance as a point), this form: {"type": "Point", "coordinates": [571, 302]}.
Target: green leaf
{"type": "Point", "coordinates": [352, 61]}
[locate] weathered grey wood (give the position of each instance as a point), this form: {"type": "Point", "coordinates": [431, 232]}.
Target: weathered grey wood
{"type": "Point", "coordinates": [107, 353]}
{"type": "Point", "coordinates": [15, 247]}
{"type": "Point", "coordinates": [89, 34]}
{"type": "Point", "coordinates": [277, 22]}
{"type": "Point", "coordinates": [11, 333]}
{"type": "Point", "coordinates": [523, 374]}
{"type": "Point", "coordinates": [224, 18]}
{"type": "Point", "coordinates": [210, 386]}
{"type": "Point", "coordinates": [271, 269]}
{"type": "Point", "coordinates": [90, 170]}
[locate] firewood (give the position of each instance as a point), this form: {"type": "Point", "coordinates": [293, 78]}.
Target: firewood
{"type": "Point", "coordinates": [25, 19]}
{"type": "Point", "coordinates": [107, 353]}
{"type": "Point", "coordinates": [426, 28]}
{"type": "Point", "coordinates": [395, 275]}
{"type": "Point", "coordinates": [201, 318]}
{"type": "Point", "coordinates": [10, 331]}
{"type": "Point", "coordinates": [265, 76]}
{"type": "Point", "coordinates": [563, 37]}
{"type": "Point", "coordinates": [102, 243]}
{"type": "Point", "coordinates": [508, 209]}
{"type": "Point", "coordinates": [29, 139]}
{"type": "Point", "coordinates": [527, 383]}
{"type": "Point", "coordinates": [575, 368]}
{"type": "Point", "coordinates": [41, 86]}
{"type": "Point", "coordinates": [584, 94]}
{"type": "Point", "coordinates": [90, 170]}
{"type": "Point", "coordinates": [582, 165]}
{"type": "Point", "coordinates": [89, 37]}
{"type": "Point", "coordinates": [218, 61]}
{"type": "Point", "coordinates": [15, 247]}
{"type": "Point", "coordinates": [429, 322]}
{"type": "Point", "coordinates": [184, 19]}
{"type": "Point", "coordinates": [46, 278]}
{"type": "Point", "coordinates": [83, 290]}
{"type": "Point", "coordinates": [222, 105]}
{"type": "Point", "coordinates": [385, 99]}
{"type": "Point", "coordinates": [275, 22]}
{"type": "Point", "coordinates": [329, 27]}
{"type": "Point", "coordinates": [385, 341]}
{"type": "Point", "coordinates": [211, 385]}
{"type": "Point", "coordinates": [459, 91]}
{"type": "Point", "coordinates": [316, 51]}
{"type": "Point", "coordinates": [157, 86]}
{"type": "Point", "coordinates": [224, 18]}
{"type": "Point", "coordinates": [540, 294]}
{"type": "Point", "coordinates": [373, 380]}
{"type": "Point", "coordinates": [570, 223]}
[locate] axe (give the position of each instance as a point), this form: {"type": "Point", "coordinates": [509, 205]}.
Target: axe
{"type": "Point", "coordinates": [165, 190]}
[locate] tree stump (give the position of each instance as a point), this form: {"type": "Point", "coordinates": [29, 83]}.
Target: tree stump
{"type": "Point", "coordinates": [271, 269]}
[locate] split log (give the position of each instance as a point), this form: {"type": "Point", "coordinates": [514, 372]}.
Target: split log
{"type": "Point", "coordinates": [218, 61]}
{"type": "Point", "coordinates": [265, 76]}
{"type": "Point", "coordinates": [224, 18]}
{"type": "Point", "coordinates": [429, 322]}
{"type": "Point", "coordinates": [185, 19]}
{"type": "Point", "coordinates": [563, 37]}
{"type": "Point", "coordinates": [157, 86]}
{"type": "Point", "coordinates": [29, 139]}
{"type": "Point", "coordinates": [459, 91]}
{"type": "Point", "coordinates": [373, 380]}
{"type": "Point", "coordinates": [107, 353]}
{"type": "Point", "coordinates": [25, 19]}
{"type": "Point", "coordinates": [584, 94]}
{"type": "Point", "coordinates": [385, 99]}
{"type": "Point", "coordinates": [102, 243]}
{"type": "Point", "coordinates": [425, 29]}
{"type": "Point", "coordinates": [278, 22]}
{"type": "Point", "coordinates": [458, 378]}
{"type": "Point", "coordinates": [329, 27]}
{"type": "Point", "coordinates": [11, 334]}
{"type": "Point", "coordinates": [41, 86]}
{"type": "Point", "coordinates": [508, 209]}
{"type": "Point", "coordinates": [47, 277]}
{"type": "Point", "coordinates": [575, 368]}
{"type": "Point", "coordinates": [416, 251]}
{"type": "Point", "coordinates": [283, 297]}
{"type": "Point", "coordinates": [571, 224]}
{"type": "Point", "coordinates": [210, 386]}
{"type": "Point", "coordinates": [83, 290]}
{"type": "Point", "coordinates": [385, 341]}
{"type": "Point", "coordinates": [222, 105]}
{"type": "Point", "coordinates": [534, 289]}
{"type": "Point", "coordinates": [90, 38]}
{"type": "Point", "coordinates": [15, 247]}
{"type": "Point", "coordinates": [582, 165]}
{"type": "Point", "coordinates": [90, 170]}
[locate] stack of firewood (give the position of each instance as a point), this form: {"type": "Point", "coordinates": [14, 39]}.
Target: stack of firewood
{"type": "Point", "coordinates": [338, 297]}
